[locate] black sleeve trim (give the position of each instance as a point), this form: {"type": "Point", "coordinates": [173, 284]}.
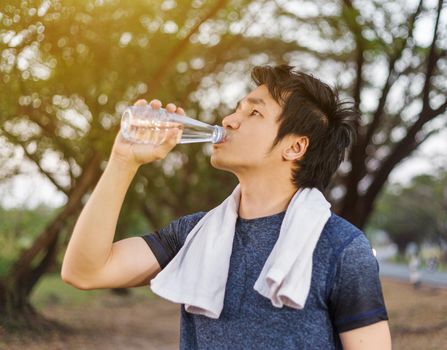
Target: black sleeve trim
{"type": "Point", "coordinates": [154, 242]}
{"type": "Point", "coordinates": [361, 320]}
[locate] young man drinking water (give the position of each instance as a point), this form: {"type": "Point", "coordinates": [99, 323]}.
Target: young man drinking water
{"type": "Point", "coordinates": [271, 267]}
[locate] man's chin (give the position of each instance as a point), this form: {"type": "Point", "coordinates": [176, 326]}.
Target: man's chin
{"type": "Point", "coordinates": [214, 162]}
{"type": "Point", "coordinates": [217, 163]}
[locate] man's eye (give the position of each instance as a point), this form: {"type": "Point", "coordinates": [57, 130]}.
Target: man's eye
{"type": "Point", "coordinates": [255, 112]}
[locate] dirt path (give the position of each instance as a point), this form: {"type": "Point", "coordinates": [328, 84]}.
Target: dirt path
{"type": "Point", "coordinates": [417, 321]}
{"type": "Point", "coordinates": [418, 317]}
{"type": "Point", "coordinates": [110, 322]}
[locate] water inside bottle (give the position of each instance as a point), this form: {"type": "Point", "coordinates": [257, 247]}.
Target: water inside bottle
{"type": "Point", "coordinates": [152, 132]}
{"type": "Point", "coordinates": [142, 124]}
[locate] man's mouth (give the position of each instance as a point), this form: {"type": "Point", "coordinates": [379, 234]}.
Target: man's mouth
{"type": "Point", "coordinates": [225, 140]}
{"type": "Point", "coordinates": [216, 145]}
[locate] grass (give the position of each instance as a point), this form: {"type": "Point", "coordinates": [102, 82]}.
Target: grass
{"type": "Point", "coordinates": [52, 290]}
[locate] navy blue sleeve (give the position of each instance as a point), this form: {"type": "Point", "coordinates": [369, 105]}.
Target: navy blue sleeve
{"type": "Point", "coordinates": [167, 241]}
{"type": "Point", "coordinates": [356, 298]}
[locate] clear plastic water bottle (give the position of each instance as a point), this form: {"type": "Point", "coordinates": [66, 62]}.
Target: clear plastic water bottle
{"type": "Point", "coordinates": [143, 124]}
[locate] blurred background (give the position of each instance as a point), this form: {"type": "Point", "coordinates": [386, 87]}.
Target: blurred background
{"type": "Point", "coordinates": [69, 68]}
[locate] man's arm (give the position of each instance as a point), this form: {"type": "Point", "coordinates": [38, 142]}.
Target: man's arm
{"type": "Point", "coordinates": [356, 300]}
{"type": "Point", "coordinates": [372, 337]}
{"type": "Point", "coordinates": [92, 260]}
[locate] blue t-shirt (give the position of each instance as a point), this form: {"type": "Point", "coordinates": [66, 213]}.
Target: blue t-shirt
{"type": "Point", "coordinates": [345, 290]}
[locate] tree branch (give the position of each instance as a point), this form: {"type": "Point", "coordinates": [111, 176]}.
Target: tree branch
{"type": "Point", "coordinates": [432, 59]}
{"type": "Point", "coordinates": [401, 151]}
{"type": "Point", "coordinates": [356, 30]}
{"type": "Point", "coordinates": [34, 159]}
{"type": "Point", "coordinates": [391, 79]}
{"type": "Point", "coordinates": [435, 112]}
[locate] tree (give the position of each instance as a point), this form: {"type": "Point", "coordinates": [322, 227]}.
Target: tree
{"type": "Point", "coordinates": [415, 212]}
{"type": "Point", "coordinates": [399, 108]}
{"type": "Point", "coordinates": [68, 70]}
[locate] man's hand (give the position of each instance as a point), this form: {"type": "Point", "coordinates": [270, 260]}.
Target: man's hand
{"type": "Point", "coordinates": [134, 155]}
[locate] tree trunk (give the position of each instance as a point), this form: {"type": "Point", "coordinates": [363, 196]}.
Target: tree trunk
{"type": "Point", "coordinates": [17, 314]}
{"type": "Point", "coordinates": [359, 214]}
{"type": "Point", "coordinates": [17, 285]}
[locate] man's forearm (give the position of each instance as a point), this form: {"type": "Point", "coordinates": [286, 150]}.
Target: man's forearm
{"type": "Point", "coordinates": [92, 238]}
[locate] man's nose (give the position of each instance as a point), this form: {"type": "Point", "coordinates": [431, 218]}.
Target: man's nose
{"type": "Point", "coordinates": [230, 121]}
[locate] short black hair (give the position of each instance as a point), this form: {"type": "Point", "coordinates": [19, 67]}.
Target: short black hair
{"type": "Point", "coordinates": [310, 108]}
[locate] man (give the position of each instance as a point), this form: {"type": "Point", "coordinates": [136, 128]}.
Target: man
{"type": "Point", "coordinates": [290, 132]}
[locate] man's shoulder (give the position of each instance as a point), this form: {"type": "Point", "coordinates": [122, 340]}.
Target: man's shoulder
{"type": "Point", "coordinates": [187, 222]}
{"type": "Point", "coordinates": [194, 217]}
{"type": "Point", "coordinates": [340, 233]}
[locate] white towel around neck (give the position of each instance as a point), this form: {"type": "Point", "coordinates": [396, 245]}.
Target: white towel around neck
{"type": "Point", "coordinates": [198, 273]}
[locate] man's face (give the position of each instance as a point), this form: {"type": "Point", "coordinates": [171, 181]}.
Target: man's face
{"type": "Point", "coordinates": [251, 130]}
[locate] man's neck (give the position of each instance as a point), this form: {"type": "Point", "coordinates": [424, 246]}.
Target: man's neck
{"type": "Point", "coordinates": [263, 197]}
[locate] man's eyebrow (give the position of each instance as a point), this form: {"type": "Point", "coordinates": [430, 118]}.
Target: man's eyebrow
{"type": "Point", "coordinates": [252, 100]}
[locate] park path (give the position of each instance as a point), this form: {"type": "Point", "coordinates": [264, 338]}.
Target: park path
{"type": "Point", "coordinates": [111, 323]}
{"type": "Point", "coordinates": [402, 272]}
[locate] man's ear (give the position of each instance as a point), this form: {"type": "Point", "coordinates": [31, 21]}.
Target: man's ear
{"type": "Point", "coordinates": [297, 149]}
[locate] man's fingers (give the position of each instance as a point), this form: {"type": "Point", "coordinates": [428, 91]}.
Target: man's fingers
{"type": "Point", "coordinates": [156, 104]}
{"type": "Point", "coordinates": [140, 102]}
{"type": "Point", "coordinates": [171, 136]}
{"type": "Point", "coordinates": [168, 143]}
{"type": "Point", "coordinates": [170, 107]}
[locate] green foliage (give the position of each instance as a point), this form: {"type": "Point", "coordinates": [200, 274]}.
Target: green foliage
{"type": "Point", "coordinates": [416, 212]}
{"type": "Point", "coordinates": [52, 290]}
{"type": "Point", "coordinates": [5, 263]}
{"type": "Point", "coordinates": [68, 69]}
{"type": "Point", "coordinates": [18, 229]}
{"type": "Point", "coordinates": [88, 60]}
